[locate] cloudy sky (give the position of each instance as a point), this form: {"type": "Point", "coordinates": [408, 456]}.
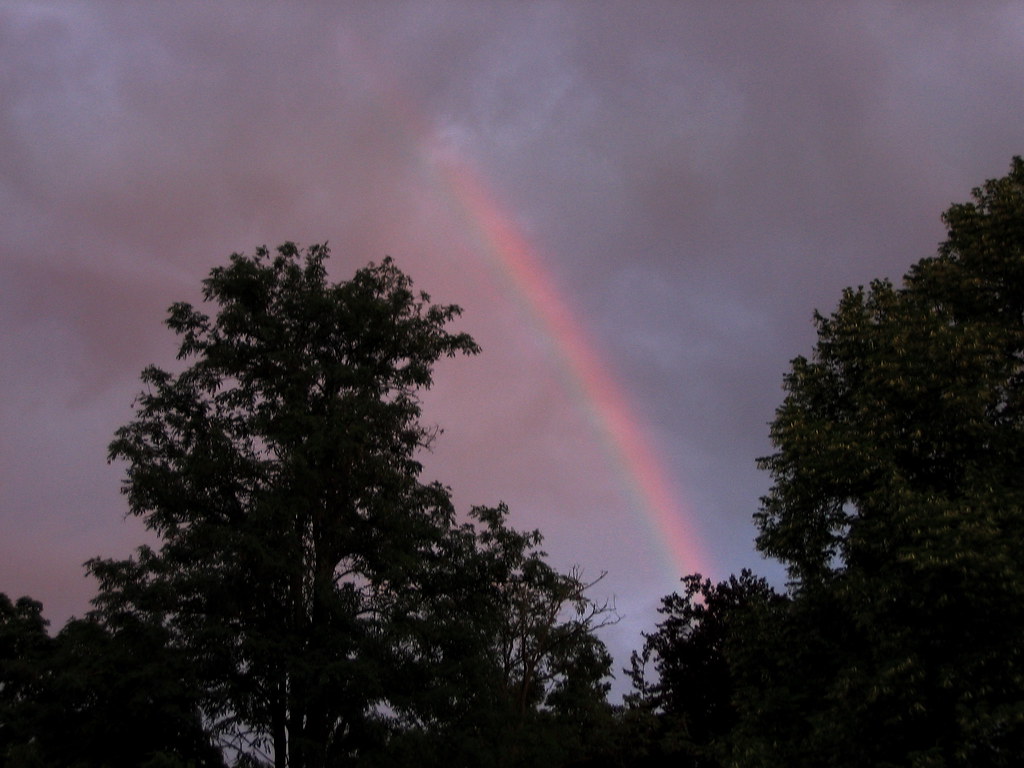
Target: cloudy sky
{"type": "Point", "coordinates": [679, 184]}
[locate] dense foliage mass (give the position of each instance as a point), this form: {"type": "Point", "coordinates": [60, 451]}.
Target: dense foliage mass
{"type": "Point", "coordinates": [313, 603]}
{"type": "Point", "coordinates": [899, 503]}
{"type": "Point", "coordinates": [898, 507]}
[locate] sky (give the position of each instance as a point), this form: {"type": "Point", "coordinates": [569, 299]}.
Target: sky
{"type": "Point", "coordinates": [638, 206]}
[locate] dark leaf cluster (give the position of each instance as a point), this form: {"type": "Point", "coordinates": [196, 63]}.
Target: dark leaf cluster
{"type": "Point", "coordinates": [898, 507]}
{"type": "Point", "coordinates": [311, 602]}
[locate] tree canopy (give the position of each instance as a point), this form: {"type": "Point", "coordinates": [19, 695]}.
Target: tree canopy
{"type": "Point", "coordinates": [897, 505]}
{"type": "Point", "coordinates": [899, 492]}
{"type": "Point", "coordinates": [689, 705]}
{"type": "Point", "coordinates": [279, 471]}
{"type": "Point", "coordinates": [330, 602]}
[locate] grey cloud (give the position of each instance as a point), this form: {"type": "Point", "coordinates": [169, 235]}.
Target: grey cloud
{"type": "Point", "coordinates": [696, 178]}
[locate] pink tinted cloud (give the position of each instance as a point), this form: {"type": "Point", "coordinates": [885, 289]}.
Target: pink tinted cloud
{"type": "Point", "coordinates": [697, 180]}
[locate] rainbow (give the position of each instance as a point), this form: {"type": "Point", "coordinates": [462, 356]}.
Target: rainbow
{"type": "Point", "coordinates": [631, 451]}
{"type": "Point", "coordinates": [646, 477]}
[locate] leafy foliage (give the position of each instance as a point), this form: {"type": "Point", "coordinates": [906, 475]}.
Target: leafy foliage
{"type": "Point", "coordinates": [24, 650]}
{"type": "Point", "coordinates": [519, 677]}
{"type": "Point", "coordinates": [279, 471]}
{"type": "Point", "coordinates": [96, 695]}
{"type": "Point", "coordinates": [331, 607]}
{"type": "Point", "coordinates": [898, 508]}
{"type": "Point", "coordinates": [898, 501]}
{"type": "Point", "coordinates": [696, 652]}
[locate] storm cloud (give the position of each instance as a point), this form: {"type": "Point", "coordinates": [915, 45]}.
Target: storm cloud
{"type": "Point", "coordinates": [695, 178]}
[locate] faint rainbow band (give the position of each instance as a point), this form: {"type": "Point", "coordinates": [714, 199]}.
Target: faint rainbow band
{"type": "Point", "coordinates": [631, 450]}
{"type": "Point", "coordinates": [673, 524]}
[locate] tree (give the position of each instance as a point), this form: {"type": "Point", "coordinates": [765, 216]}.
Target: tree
{"type": "Point", "coordinates": [898, 506]}
{"type": "Point", "coordinates": [279, 471]}
{"type": "Point", "coordinates": [24, 649]}
{"type": "Point", "coordinates": [696, 653]}
{"type": "Point", "coordinates": [95, 695]}
{"type": "Point", "coordinates": [121, 696]}
{"type": "Point", "coordinates": [329, 606]}
{"type": "Point", "coordinates": [518, 677]}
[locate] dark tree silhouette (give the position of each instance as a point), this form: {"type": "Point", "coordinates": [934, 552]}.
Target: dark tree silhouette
{"type": "Point", "coordinates": [98, 694]}
{"type": "Point", "coordinates": [898, 505]}
{"type": "Point", "coordinates": [689, 703]}
{"type": "Point", "coordinates": [332, 608]}
{"type": "Point", "coordinates": [279, 471]}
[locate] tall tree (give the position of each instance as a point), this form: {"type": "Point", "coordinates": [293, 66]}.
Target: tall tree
{"type": "Point", "coordinates": [696, 652]}
{"type": "Point", "coordinates": [279, 471]}
{"type": "Point", "coordinates": [898, 506]}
